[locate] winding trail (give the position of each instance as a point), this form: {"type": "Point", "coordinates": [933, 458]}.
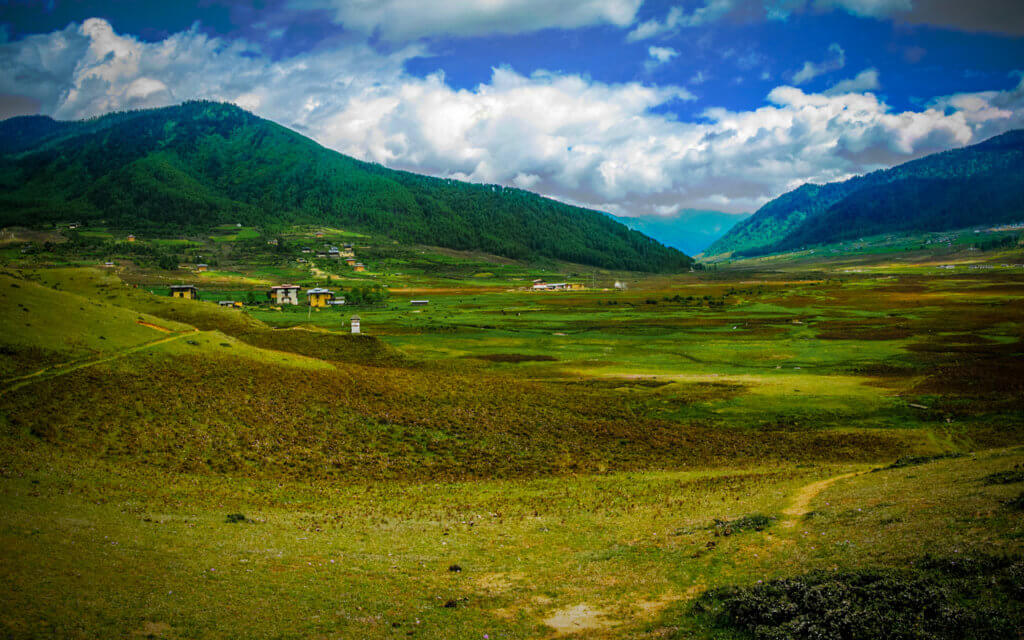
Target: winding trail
{"type": "Point", "coordinates": [13, 384]}
{"type": "Point", "coordinates": [799, 505]}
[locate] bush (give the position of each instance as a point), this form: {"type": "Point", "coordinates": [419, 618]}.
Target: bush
{"type": "Point", "coordinates": [1004, 477]}
{"type": "Point", "coordinates": [968, 598]}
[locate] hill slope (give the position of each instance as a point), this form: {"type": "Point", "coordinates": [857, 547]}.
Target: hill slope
{"type": "Point", "coordinates": [202, 164]}
{"type": "Point", "coordinates": [980, 184]}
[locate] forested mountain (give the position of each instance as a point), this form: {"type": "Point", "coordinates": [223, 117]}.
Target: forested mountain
{"type": "Point", "coordinates": [691, 230]}
{"type": "Point", "coordinates": [201, 164]}
{"type": "Point", "coordinates": [980, 184]}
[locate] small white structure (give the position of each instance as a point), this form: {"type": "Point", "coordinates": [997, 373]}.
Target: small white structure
{"type": "Point", "coordinates": [355, 324]}
{"type": "Point", "coordinates": [284, 294]}
{"type": "Point", "coordinates": [419, 303]}
{"type": "Point", "coordinates": [621, 286]}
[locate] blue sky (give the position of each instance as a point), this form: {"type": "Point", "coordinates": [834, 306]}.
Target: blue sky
{"type": "Point", "coordinates": [637, 107]}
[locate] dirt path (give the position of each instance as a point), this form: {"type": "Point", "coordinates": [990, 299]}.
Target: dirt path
{"type": "Point", "coordinates": [14, 384]}
{"type": "Point", "coordinates": [799, 505]}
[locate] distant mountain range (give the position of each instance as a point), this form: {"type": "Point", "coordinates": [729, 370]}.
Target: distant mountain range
{"type": "Point", "coordinates": [975, 185]}
{"type": "Point", "coordinates": [691, 230]}
{"type": "Point", "coordinates": [203, 164]}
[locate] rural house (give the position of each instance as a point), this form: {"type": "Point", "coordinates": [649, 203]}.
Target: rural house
{"type": "Point", "coordinates": [419, 303]}
{"type": "Point", "coordinates": [186, 291]}
{"type": "Point", "coordinates": [284, 294]}
{"type": "Point", "coordinates": [319, 297]}
{"type": "Point", "coordinates": [359, 266]}
{"type": "Point", "coordinates": [350, 261]}
{"type": "Point", "coordinates": [355, 324]}
{"type": "Point", "coordinates": [333, 253]}
{"type": "Point", "coordinates": [131, 237]}
{"type": "Point", "coordinates": [231, 304]}
{"type": "Point", "coordinates": [202, 267]}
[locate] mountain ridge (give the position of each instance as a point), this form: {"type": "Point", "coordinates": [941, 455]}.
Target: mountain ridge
{"type": "Point", "coordinates": [957, 188]}
{"type": "Point", "coordinates": [201, 164]}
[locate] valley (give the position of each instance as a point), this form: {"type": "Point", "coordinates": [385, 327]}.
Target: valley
{"type": "Point", "coordinates": [627, 459]}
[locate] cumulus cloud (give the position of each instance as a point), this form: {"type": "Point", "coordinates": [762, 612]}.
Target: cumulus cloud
{"type": "Point", "coordinates": [710, 11]}
{"type": "Point", "coordinates": [659, 56]}
{"type": "Point", "coordinates": [612, 146]}
{"type": "Point", "coordinates": [405, 20]}
{"type": "Point", "coordinates": [834, 60]}
{"type": "Point", "coordinates": [866, 80]}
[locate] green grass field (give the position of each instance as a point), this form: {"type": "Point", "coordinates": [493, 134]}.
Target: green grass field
{"type": "Point", "coordinates": [499, 463]}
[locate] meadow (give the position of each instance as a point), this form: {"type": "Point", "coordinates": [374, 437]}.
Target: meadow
{"type": "Point", "coordinates": [688, 457]}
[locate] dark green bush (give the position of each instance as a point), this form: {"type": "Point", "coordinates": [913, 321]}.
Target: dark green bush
{"type": "Point", "coordinates": [963, 598]}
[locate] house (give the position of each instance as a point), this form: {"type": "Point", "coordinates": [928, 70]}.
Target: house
{"type": "Point", "coordinates": [301, 261]}
{"type": "Point", "coordinates": [359, 266]}
{"type": "Point", "coordinates": [284, 294]}
{"type": "Point", "coordinates": [131, 237]}
{"type": "Point", "coordinates": [347, 253]}
{"type": "Point", "coordinates": [333, 253]}
{"type": "Point", "coordinates": [306, 250]}
{"type": "Point", "coordinates": [319, 234]}
{"type": "Point", "coordinates": [321, 254]}
{"type": "Point", "coordinates": [319, 297]}
{"type": "Point", "coordinates": [185, 291]}
{"type": "Point", "coordinates": [419, 303]}
{"type": "Point", "coordinates": [230, 304]}
{"type": "Point", "coordinates": [108, 263]}
{"type": "Point", "coordinates": [355, 324]}
{"type": "Point", "coordinates": [74, 225]}
{"type": "Point", "coordinates": [335, 302]}
{"type": "Point", "coordinates": [347, 245]}
{"type": "Point", "coordinates": [273, 242]}
{"type": "Point", "coordinates": [202, 267]}
{"type": "Point", "coordinates": [351, 261]}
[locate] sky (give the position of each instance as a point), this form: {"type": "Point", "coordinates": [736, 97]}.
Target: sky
{"type": "Point", "coordinates": [642, 108]}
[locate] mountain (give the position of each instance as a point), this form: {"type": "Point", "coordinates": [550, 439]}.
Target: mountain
{"type": "Point", "coordinates": [979, 184]}
{"type": "Point", "coordinates": [690, 230]}
{"type": "Point", "coordinates": [202, 164]}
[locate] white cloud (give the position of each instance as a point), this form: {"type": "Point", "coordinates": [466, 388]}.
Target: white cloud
{"type": "Point", "coordinates": [711, 11]}
{"type": "Point", "coordinates": [835, 60]}
{"type": "Point", "coordinates": [866, 80]}
{"type": "Point", "coordinates": [659, 56]}
{"type": "Point", "coordinates": [597, 144]}
{"type": "Point", "coordinates": [405, 20]}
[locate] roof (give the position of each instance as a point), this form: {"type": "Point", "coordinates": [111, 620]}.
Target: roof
{"type": "Point", "coordinates": [285, 286]}
{"type": "Point", "coordinates": [318, 290]}
{"type": "Point", "coordinates": [356, 318]}
{"type": "Point", "coordinates": [183, 286]}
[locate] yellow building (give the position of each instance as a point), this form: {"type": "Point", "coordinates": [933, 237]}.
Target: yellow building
{"type": "Point", "coordinates": [131, 238]}
{"type": "Point", "coordinates": [186, 291]}
{"type": "Point", "coordinates": [202, 267]}
{"type": "Point", "coordinates": [359, 266]}
{"type": "Point", "coordinates": [320, 297]}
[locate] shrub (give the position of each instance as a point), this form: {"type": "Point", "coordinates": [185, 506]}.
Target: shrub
{"type": "Point", "coordinates": [1004, 477]}
{"type": "Point", "coordinates": [966, 598]}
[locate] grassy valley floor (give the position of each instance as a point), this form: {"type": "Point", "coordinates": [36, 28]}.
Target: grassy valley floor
{"type": "Point", "coordinates": [639, 463]}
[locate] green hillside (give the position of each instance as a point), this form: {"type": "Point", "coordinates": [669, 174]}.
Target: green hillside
{"type": "Point", "coordinates": [980, 184]}
{"type": "Point", "coordinates": [203, 164]}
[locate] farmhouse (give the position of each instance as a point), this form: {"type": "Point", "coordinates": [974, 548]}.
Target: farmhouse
{"type": "Point", "coordinates": [557, 286]}
{"type": "Point", "coordinates": [131, 237]}
{"type": "Point", "coordinates": [306, 250]}
{"type": "Point", "coordinates": [108, 263]}
{"type": "Point", "coordinates": [333, 253]}
{"type": "Point", "coordinates": [319, 234]}
{"type": "Point", "coordinates": [419, 303]}
{"type": "Point", "coordinates": [319, 297]}
{"type": "Point", "coordinates": [202, 267]}
{"type": "Point", "coordinates": [231, 304]}
{"type": "Point", "coordinates": [185, 291]}
{"type": "Point", "coordinates": [284, 294]}
{"type": "Point", "coordinates": [355, 324]}
{"type": "Point", "coordinates": [359, 266]}
{"type": "Point", "coordinates": [350, 261]}
{"type": "Point", "coordinates": [321, 254]}
{"type": "Point", "coordinates": [347, 252]}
